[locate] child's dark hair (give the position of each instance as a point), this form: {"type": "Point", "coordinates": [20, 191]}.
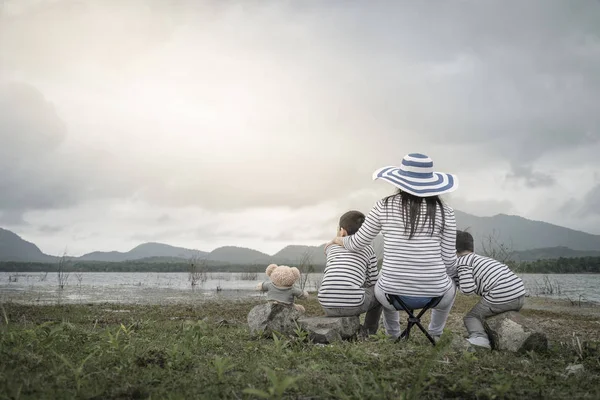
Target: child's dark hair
{"type": "Point", "coordinates": [352, 221]}
{"type": "Point", "coordinates": [464, 241]}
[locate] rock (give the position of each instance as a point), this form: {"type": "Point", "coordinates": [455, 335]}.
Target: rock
{"type": "Point", "coordinates": [460, 344]}
{"type": "Point", "coordinates": [264, 319]}
{"type": "Point", "coordinates": [574, 369]}
{"type": "Point", "coordinates": [330, 329]}
{"type": "Point", "coordinates": [512, 332]}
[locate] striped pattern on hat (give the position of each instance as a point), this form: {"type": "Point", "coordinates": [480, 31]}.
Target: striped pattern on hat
{"type": "Point", "coordinates": [417, 177]}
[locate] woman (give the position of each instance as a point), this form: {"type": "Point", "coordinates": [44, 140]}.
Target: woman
{"type": "Point", "coordinates": [419, 234]}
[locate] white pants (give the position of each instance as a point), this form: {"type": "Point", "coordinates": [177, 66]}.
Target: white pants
{"type": "Point", "coordinates": [439, 314]}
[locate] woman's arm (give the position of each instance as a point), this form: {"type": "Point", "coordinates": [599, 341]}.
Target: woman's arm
{"type": "Point", "coordinates": [372, 271]}
{"type": "Point", "coordinates": [367, 232]}
{"type": "Point", "coordinates": [449, 243]}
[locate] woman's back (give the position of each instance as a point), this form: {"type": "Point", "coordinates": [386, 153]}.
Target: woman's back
{"type": "Point", "coordinates": [416, 261]}
{"type": "Point", "coordinates": [417, 266]}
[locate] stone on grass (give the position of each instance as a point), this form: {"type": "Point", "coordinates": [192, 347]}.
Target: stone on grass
{"type": "Point", "coordinates": [330, 329]}
{"type": "Point", "coordinates": [511, 331]}
{"type": "Point", "coordinates": [460, 344]}
{"type": "Point", "coordinates": [264, 319]}
{"type": "Point", "coordinates": [574, 369]}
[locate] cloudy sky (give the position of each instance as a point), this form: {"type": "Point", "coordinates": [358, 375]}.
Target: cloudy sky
{"type": "Point", "coordinates": [257, 123]}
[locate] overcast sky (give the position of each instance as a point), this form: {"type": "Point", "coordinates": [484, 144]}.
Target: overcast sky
{"type": "Point", "coordinates": [257, 123]}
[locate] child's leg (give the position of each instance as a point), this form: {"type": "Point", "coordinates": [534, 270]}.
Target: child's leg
{"type": "Point", "coordinates": [484, 309]}
{"type": "Point", "coordinates": [439, 315]}
{"type": "Point", "coordinates": [342, 311]}
{"type": "Point", "coordinates": [373, 309]}
{"type": "Point", "coordinates": [475, 317]}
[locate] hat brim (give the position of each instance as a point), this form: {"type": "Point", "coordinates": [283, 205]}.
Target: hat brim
{"type": "Point", "coordinates": [439, 184]}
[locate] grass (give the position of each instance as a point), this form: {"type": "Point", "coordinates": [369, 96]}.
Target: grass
{"type": "Point", "coordinates": [204, 351]}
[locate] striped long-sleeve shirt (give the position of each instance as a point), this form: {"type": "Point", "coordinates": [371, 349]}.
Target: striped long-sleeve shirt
{"type": "Point", "coordinates": [346, 274]}
{"type": "Point", "coordinates": [420, 266]}
{"type": "Point", "coordinates": [488, 278]}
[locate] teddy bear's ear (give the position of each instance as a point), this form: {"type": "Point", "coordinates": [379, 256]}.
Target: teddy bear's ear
{"type": "Point", "coordinates": [296, 272]}
{"type": "Point", "coordinates": [270, 269]}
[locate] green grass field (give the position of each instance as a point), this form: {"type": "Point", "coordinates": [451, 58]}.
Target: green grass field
{"type": "Point", "coordinates": [204, 351]}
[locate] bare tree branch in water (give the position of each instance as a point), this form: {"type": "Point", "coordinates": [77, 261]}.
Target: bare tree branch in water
{"type": "Point", "coordinates": [62, 274]}
{"type": "Point", "coordinates": [306, 267]}
{"type": "Point", "coordinates": [197, 269]}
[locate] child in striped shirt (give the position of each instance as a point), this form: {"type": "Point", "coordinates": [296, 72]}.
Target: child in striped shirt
{"type": "Point", "coordinates": [348, 285]}
{"type": "Point", "coordinates": [500, 289]}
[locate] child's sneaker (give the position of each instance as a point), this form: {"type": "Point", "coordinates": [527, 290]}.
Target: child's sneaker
{"type": "Point", "coordinates": [480, 342]}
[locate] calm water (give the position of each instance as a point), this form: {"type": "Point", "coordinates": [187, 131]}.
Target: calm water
{"type": "Point", "coordinates": [158, 288]}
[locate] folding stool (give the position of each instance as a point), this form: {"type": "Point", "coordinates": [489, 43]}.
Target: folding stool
{"type": "Point", "coordinates": [398, 304]}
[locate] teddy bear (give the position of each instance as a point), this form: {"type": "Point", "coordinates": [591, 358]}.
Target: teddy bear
{"type": "Point", "coordinates": [280, 288]}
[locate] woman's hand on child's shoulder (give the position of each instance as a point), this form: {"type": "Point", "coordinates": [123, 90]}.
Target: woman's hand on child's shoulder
{"type": "Point", "coordinates": [336, 240]}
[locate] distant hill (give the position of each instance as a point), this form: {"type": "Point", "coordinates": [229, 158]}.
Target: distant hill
{"type": "Point", "coordinates": [531, 240]}
{"type": "Point", "coordinates": [524, 234]}
{"type": "Point", "coordinates": [239, 255]}
{"type": "Point", "coordinates": [146, 250]}
{"type": "Point", "coordinates": [153, 252]}
{"type": "Point", "coordinates": [14, 248]}
{"type": "Point", "coordinates": [294, 254]}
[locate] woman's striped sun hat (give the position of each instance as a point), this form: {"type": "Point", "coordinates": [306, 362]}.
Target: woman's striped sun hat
{"type": "Point", "coordinates": [416, 176]}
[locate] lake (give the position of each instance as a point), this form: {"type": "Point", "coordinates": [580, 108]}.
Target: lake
{"type": "Point", "coordinates": [161, 288]}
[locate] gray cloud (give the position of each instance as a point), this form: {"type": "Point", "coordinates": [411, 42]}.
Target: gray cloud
{"type": "Point", "coordinates": [40, 169]}
{"type": "Point", "coordinates": [482, 208]}
{"type": "Point", "coordinates": [231, 105]}
{"type": "Point", "coordinates": [34, 172]}
{"type": "Point", "coordinates": [518, 93]}
{"type": "Point", "coordinates": [164, 218]}
{"type": "Point", "coordinates": [51, 229]}
{"type": "Point", "coordinates": [83, 33]}
{"type": "Point", "coordinates": [590, 204]}
{"type": "Point", "coordinates": [513, 94]}
{"type": "Point", "coordinates": [12, 218]}
{"type": "Point", "coordinates": [532, 179]}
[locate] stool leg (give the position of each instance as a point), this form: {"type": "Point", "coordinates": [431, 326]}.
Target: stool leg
{"type": "Point", "coordinates": [426, 333]}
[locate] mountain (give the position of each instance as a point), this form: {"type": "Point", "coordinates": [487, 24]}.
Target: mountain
{"type": "Point", "coordinates": [239, 255]}
{"type": "Point", "coordinates": [523, 234]}
{"type": "Point", "coordinates": [530, 240]}
{"type": "Point", "coordinates": [295, 254]}
{"type": "Point", "coordinates": [152, 252]}
{"type": "Point", "coordinates": [14, 248]}
{"type": "Point", "coordinates": [146, 250]}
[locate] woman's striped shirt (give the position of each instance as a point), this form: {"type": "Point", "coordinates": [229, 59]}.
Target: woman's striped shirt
{"type": "Point", "coordinates": [346, 274]}
{"type": "Point", "coordinates": [488, 278]}
{"type": "Point", "coordinates": [420, 266]}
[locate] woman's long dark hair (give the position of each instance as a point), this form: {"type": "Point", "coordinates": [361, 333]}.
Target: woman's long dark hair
{"type": "Point", "coordinates": [410, 206]}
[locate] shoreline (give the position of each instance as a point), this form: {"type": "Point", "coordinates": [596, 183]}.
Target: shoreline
{"type": "Point", "coordinates": [540, 303]}
{"type": "Point", "coordinates": [165, 296]}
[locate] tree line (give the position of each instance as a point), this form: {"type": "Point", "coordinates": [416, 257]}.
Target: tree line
{"type": "Point", "coordinates": [562, 265]}
{"type": "Point", "coordinates": [132, 266]}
